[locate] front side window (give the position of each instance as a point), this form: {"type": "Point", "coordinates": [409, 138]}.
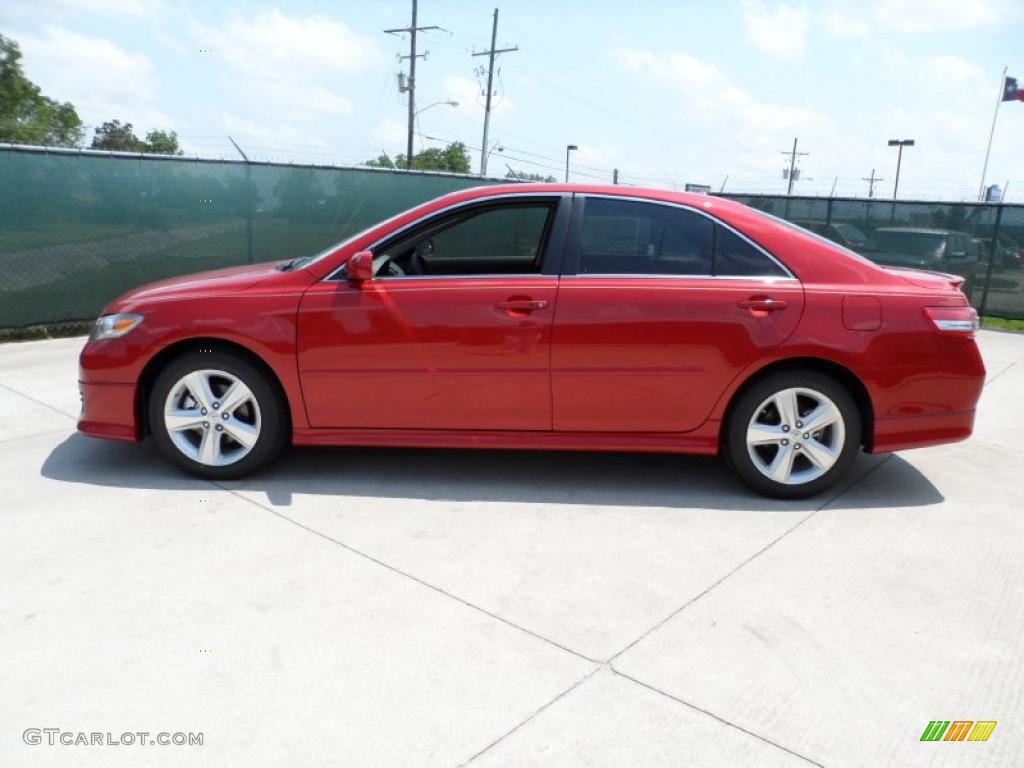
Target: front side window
{"type": "Point", "coordinates": [627, 237]}
{"type": "Point", "coordinates": [503, 239]}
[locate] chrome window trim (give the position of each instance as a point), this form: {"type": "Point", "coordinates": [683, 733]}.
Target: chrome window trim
{"type": "Point", "coordinates": [715, 219]}
{"type": "Point", "coordinates": [336, 275]}
{"type": "Point", "coordinates": [440, 212]}
{"type": "Point", "coordinates": [649, 276]}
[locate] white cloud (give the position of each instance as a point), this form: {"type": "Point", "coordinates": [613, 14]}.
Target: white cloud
{"type": "Point", "coordinates": [390, 132]}
{"type": "Point", "coordinates": [62, 10]}
{"type": "Point", "coordinates": [932, 15]}
{"type": "Point", "coordinates": [271, 45]}
{"type": "Point", "coordinates": [102, 80]}
{"type": "Point", "coordinates": [947, 71]}
{"type": "Point", "coordinates": [779, 31]}
{"type": "Point", "coordinates": [712, 97]}
{"type": "Point", "coordinates": [856, 18]}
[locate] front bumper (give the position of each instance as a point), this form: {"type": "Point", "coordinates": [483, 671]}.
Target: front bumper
{"type": "Point", "coordinates": [108, 410]}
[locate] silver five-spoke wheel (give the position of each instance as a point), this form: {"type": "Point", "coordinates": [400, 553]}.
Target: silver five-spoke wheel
{"type": "Point", "coordinates": [796, 435]}
{"type": "Point", "coordinates": [212, 417]}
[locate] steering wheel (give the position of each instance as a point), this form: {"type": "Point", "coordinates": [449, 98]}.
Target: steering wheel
{"type": "Point", "coordinates": [383, 266]}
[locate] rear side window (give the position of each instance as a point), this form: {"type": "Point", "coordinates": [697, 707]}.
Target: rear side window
{"type": "Point", "coordinates": [627, 237]}
{"type": "Point", "coordinates": [736, 257]}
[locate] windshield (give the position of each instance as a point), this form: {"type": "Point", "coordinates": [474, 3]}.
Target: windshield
{"type": "Point", "coordinates": [916, 243]}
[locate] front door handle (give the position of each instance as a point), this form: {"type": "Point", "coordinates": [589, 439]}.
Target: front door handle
{"type": "Point", "coordinates": [762, 304]}
{"type": "Point", "coordinates": [521, 306]}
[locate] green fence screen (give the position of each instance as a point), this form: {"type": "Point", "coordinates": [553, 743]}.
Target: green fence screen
{"type": "Point", "coordinates": [79, 228]}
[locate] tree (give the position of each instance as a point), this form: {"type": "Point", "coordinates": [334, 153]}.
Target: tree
{"type": "Point", "coordinates": [26, 115]}
{"type": "Point", "coordinates": [529, 176]}
{"type": "Point", "coordinates": [452, 159]}
{"type": "Point", "coordinates": [117, 138]}
{"type": "Point", "coordinates": [162, 143]}
{"type": "Point", "coordinates": [114, 136]}
{"type": "Point", "coordinates": [381, 161]}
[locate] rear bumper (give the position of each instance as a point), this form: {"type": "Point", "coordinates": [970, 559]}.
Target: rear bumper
{"type": "Point", "coordinates": [901, 432]}
{"type": "Point", "coordinates": [108, 410]}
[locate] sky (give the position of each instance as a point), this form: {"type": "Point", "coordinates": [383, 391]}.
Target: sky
{"type": "Point", "coordinates": [667, 92]}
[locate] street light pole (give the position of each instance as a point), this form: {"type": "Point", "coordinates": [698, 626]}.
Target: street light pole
{"type": "Point", "coordinates": [568, 148]}
{"type": "Point", "coordinates": [901, 143]}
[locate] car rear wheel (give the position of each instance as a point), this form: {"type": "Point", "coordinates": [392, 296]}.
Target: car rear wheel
{"type": "Point", "coordinates": [216, 415]}
{"type": "Point", "coordinates": [793, 434]}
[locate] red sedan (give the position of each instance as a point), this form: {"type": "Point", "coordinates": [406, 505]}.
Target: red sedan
{"type": "Point", "coordinates": [547, 317]}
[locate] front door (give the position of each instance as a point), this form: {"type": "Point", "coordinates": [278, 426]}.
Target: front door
{"type": "Point", "coordinates": [665, 308]}
{"type": "Point", "coordinates": [453, 332]}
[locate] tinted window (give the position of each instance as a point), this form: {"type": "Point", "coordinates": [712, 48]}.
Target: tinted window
{"type": "Point", "coordinates": [736, 257]}
{"type": "Point", "coordinates": [497, 240]}
{"type": "Point", "coordinates": [510, 235]}
{"type": "Point", "coordinates": [623, 237]}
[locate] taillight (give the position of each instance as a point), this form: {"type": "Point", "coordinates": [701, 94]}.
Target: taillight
{"type": "Point", "coordinates": [962, 320]}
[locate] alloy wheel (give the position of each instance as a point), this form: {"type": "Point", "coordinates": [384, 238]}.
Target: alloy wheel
{"type": "Point", "coordinates": [795, 436]}
{"type": "Point", "coordinates": [212, 417]}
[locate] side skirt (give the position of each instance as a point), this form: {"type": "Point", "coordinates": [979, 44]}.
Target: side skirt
{"type": "Point", "coordinates": [702, 441]}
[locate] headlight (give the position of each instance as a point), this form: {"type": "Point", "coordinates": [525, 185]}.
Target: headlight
{"type": "Point", "coordinates": [114, 326]}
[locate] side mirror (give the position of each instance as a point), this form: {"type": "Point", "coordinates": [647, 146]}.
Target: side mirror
{"type": "Point", "coordinates": [359, 267]}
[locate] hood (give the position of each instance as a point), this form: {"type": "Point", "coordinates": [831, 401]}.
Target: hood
{"type": "Point", "coordinates": [214, 282]}
{"type": "Point", "coordinates": [927, 278]}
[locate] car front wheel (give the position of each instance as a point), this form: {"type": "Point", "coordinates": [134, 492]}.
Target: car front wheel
{"type": "Point", "coordinates": [216, 415]}
{"type": "Point", "coordinates": [793, 434]}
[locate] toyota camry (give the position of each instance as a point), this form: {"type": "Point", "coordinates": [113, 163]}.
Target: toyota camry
{"type": "Point", "coordinates": [547, 317]}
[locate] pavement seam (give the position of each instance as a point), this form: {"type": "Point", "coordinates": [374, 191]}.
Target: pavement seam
{"type": "Point", "coordinates": [39, 402]}
{"type": "Point", "coordinates": [714, 716]}
{"type": "Point", "coordinates": [536, 712]}
{"type": "Point", "coordinates": [1007, 368]}
{"type": "Point", "coordinates": [407, 575]}
{"type": "Point", "coordinates": [37, 434]}
{"type": "Point", "coordinates": [748, 560]}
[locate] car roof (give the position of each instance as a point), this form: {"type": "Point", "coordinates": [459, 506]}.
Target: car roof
{"type": "Point", "coordinates": [923, 230]}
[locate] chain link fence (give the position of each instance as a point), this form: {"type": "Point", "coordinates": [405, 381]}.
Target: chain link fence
{"type": "Point", "coordinates": [983, 242]}
{"type": "Point", "coordinates": [78, 228]}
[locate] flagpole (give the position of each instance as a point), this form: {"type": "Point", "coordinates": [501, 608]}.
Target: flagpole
{"type": "Point", "coordinates": [991, 133]}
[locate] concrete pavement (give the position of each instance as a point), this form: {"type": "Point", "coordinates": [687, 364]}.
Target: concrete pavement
{"type": "Point", "coordinates": [380, 607]}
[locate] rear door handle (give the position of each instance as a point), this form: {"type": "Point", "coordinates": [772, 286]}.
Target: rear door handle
{"type": "Point", "coordinates": [522, 306]}
{"type": "Point", "coordinates": [763, 304]}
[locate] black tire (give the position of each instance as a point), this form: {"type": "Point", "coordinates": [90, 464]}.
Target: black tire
{"type": "Point", "coordinates": [734, 436]}
{"type": "Point", "coordinates": [273, 410]}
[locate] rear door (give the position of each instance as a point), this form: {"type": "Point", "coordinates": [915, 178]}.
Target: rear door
{"type": "Point", "coordinates": [659, 311]}
{"type": "Point", "coordinates": [455, 335]}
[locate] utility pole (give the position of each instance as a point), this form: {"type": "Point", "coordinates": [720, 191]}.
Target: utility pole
{"type": "Point", "coordinates": [901, 143]}
{"type": "Point", "coordinates": [410, 86]}
{"type": "Point", "coordinates": [872, 180]}
{"type": "Point", "coordinates": [615, 176]}
{"type": "Point", "coordinates": [792, 165]}
{"type": "Point", "coordinates": [490, 54]}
